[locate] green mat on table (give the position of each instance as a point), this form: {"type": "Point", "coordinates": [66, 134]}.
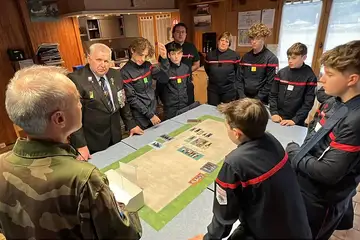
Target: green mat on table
{"type": "Point", "coordinates": [160, 219]}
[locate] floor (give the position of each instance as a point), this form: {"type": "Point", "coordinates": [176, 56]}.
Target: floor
{"type": "Point", "coordinates": [354, 233]}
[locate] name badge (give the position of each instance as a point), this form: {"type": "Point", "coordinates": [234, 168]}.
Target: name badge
{"type": "Point", "coordinates": [121, 98]}
{"type": "Point", "coordinates": [179, 80]}
{"type": "Point", "coordinates": [290, 87]}
{"type": "Point", "coordinates": [317, 127]}
{"type": "Point", "coordinates": [253, 69]}
{"type": "Point", "coordinates": [91, 94]}
{"type": "Point", "coordinates": [145, 80]}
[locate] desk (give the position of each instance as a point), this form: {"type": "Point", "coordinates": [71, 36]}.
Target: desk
{"type": "Point", "coordinates": [202, 110]}
{"type": "Point", "coordinates": [111, 155]}
{"type": "Point", "coordinates": [151, 134]}
{"type": "Point", "coordinates": [196, 216]}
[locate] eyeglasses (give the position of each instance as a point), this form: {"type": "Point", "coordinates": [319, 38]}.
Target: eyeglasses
{"type": "Point", "coordinates": [180, 32]}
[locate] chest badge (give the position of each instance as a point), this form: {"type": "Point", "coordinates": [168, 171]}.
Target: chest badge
{"type": "Point", "coordinates": [253, 69]}
{"type": "Point", "coordinates": [91, 94]}
{"type": "Point", "coordinates": [179, 80]}
{"type": "Point", "coordinates": [146, 80]}
{"type": "Point", "coordinates": [112, 81]}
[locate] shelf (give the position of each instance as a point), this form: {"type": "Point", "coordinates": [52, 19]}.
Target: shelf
{"type": "Point", "coordinates": [96, 39]}
{"type": "Point", "coordinates": [93, 29]}
{"type": "Point", "coordinates": [205, 2]}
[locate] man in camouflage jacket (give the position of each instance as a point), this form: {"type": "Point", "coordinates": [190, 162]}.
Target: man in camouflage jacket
{"type": "Point", "coordinates": [45, 193]}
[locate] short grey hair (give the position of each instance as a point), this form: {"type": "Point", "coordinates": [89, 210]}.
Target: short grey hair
{"type": "Point", "coordinates": [33, 94]}
{"type": "Point", "coordinates": [99, 47]}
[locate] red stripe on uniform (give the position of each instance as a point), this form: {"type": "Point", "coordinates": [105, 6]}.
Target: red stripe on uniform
{"type": "Point", "coordinates": [341, 146]}
{"type": "Point", "coordinates": [322, 121]}
{"type": "Point", "coordinates": [188, 56]}
{"type": "Point", "coordinates": [138, 78]}
{"type": "Point", "coordinates": [256, 180]}
{"type": "Point", "coordinates": [296, 83]}
{"type": "Point", "coordinates": [223, 61]}
{"type": "Point", "coordinates": [177, 77]}
{"type": "Point", "coordinates": [258, 65]}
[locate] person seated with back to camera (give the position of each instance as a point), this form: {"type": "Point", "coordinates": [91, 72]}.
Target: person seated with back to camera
{"type": "Point", "coordinates": [256, 184]}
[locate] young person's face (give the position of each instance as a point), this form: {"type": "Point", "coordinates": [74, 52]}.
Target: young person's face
{"type": "Point", "coordinates": [296, 61]}
{"type": "Point", "coordinates": [175, 56]}
{"type": "Point", "coordinates": [139, 58]}
{"type": "Point", "coordinates": [179, 34]}
{"type": "Point", "coordinates": [257, 43]}
{"type": "Point", "coordinates": [336, 83]}
{"type": "Point", "coordinates": [233, 133]}
{"type": "Point", "coordinates": [223, 44]}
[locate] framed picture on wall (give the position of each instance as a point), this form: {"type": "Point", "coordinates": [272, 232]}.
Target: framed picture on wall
{"type": "Point", "coordinates": [43, 10]}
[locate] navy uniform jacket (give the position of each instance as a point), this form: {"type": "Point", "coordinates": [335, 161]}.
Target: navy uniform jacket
{"type": "Point", "coordinates": [222, 69]}
{"type": "Point", "coordinates": [330, 172]}
{"type": "Point", "coordinates": [257, 186]}
{"type": "Point", "coordinates": [190, 54]}
{"type": "Point", "coordinates": [257, 74]}
{"type": "Point", "coordinates": [293, 93]}
{"type": "Point", "coordinates": [175, 95]}
{"type": "Point", "coordinates": [100, 124]}
{"type": "Point", "coordinates": [138, 84]}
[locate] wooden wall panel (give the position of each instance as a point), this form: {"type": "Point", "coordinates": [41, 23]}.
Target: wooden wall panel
{"type": "Point", "coordinates": [251, 5]}
{"type": "Point", "coordinates": [64, 31]}
{"type": "Point", "coordinates": [12, 36]}
{"type": "Point", "coordinates": [225, 14]}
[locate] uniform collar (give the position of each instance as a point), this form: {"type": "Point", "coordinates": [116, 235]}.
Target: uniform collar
{"type": "Point", "coordinates": [32, 149]}
{"type": "Point", "coordinates": [132, 63]}
{"type": "Point", "coordinates": [263, 50]}
{"type": "Point", "coordinates": [174, 65]}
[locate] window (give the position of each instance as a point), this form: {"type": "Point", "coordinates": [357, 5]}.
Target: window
{"type": "Point", "coordinates": [299, 23]}
{"type": "Point", "coordinates": [344, 23]}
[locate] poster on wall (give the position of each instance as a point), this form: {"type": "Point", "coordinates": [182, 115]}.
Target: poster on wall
{"type": "Point", "coordinates": [245, 21]}
{"type": "Point", "coordinates": [267, 17]}
{"type": "Point", "coordinates": [243, 38]}
{"type": "Point", "coordinates": [202, 19]}
{"type": "Point", "coordinates": [202, 22]}
{"type": "Point", "coordinates": [43, 10]}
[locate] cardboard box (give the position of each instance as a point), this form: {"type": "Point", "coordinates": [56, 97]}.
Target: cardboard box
{"type": "Point", "coordinates": [123, 184]}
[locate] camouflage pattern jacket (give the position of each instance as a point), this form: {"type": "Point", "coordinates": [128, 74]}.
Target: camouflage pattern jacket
{"type": "Point", "coordinates": [45, 193]}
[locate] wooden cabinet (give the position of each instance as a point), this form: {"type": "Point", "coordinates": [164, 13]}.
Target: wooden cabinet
{"type": "Point", "coordinates": [200, 80]}
{"type": "Point", "coordinates": [101, 28]}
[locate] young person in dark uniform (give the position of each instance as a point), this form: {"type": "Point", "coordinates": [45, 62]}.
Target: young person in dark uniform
{"type": "Point", "coordinates": [258, 67]}
{"type": "Point", "coordinates": [190, 57]}
{"type": "Point", "coordinates": [256, 184]}
{"type": "Point", "coordinates": [175, 95]}
{"type": "Point", "coordinates": [103, 103]}
{"type": "Point", "coordinates": [330, 171]}
{"type": "Point", "coordinates": [293, 91]}
{"type": "Point", "coordinates": [222, 67]}
{"type": "Point", "coordinates": [138, 74]}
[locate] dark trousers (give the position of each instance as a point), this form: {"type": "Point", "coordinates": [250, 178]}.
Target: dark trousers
{"type": "Point", "coordinates": [215, 98]}
{"type": "Point", "coordinates": [190, 92]}
{"type": "Point", "coordinates": [324, 220]}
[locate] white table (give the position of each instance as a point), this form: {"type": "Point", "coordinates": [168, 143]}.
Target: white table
{"type": "Point", "coordinates": [195, 217]}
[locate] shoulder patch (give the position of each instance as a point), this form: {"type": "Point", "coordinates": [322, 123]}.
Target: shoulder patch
{"type": "Point", "coordinates": [221, 196]}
